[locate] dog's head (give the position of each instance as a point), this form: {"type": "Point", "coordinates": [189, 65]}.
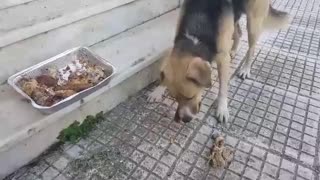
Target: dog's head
{"type": "Point", "coordinates": [186, 77]}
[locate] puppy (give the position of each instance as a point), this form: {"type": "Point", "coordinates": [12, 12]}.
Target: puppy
{"type": "Point", "coordinates": [208, 31]}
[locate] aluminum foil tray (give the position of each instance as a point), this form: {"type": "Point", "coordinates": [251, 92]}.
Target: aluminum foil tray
{"type": "Point", "coordinates": [61, 61]}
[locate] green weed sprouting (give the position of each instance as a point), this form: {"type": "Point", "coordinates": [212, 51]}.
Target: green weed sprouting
{"type": "Point", "coordinates": [76, 130]}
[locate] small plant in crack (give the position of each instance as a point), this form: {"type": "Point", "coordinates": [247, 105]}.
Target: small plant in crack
{"type": "Point", "coordinates": [79, 130]}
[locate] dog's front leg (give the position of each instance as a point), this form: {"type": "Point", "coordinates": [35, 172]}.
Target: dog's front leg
{"type": "Point", "coordinates": [223, 62]}
{"type": "Point", "coordinates": [157, 94]}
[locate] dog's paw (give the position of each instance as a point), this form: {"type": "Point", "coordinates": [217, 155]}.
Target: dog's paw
{"type": "Point", "coordinates": [244, 72]}
{"type": "Point", "coordinates": [233, 54]}
{"type": "Point", "coordinates": [157, 95]}
{"type": "Point", "coordinates": [222, 113]}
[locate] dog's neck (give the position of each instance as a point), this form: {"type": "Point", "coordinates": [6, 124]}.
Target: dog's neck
{"type": "Point", "coordinates": [190, 44]}
{"type": "Point", "coordinates": [194, 39]}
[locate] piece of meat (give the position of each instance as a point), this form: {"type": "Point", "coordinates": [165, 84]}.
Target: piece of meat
{"type": "Point", "coordinates": [42, 97]}
{"type": "Point", "coordinates": [47, 80]}
{"type": "Point", "coordinates": [29, 86]}
{"type": "Point", "coordinates": [64, 93]}
{"type": "Point", "coordinates": [76, 85]}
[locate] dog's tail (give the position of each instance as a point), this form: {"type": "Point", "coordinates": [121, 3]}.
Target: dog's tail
{"type": "Point", "coordinates": [276, 19]}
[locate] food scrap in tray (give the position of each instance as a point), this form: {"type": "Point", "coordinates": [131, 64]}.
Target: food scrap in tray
{"type": "Point", "coordinates": [55, 84]}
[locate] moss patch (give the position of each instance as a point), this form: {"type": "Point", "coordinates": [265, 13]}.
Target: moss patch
{"type": "Point", "coordinates": [79, 130]}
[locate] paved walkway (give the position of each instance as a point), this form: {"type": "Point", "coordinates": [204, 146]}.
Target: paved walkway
{"type": "Point", "coordinates": [274, 124]}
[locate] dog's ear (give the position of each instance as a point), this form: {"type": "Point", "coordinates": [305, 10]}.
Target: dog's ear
{"type": "Point", "coordinates": [199, 71]}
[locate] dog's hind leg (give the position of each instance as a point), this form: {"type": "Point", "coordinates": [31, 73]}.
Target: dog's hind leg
{"type": "Point", "coordinates": [255, 28]}
{"type": "Point", "coordinates": [236, 39]}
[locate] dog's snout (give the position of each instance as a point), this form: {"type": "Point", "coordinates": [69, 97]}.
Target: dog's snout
{"type": "Point", "coordinates": [184, 114]}
{"type": "Point", "coordinates": [186, 118]}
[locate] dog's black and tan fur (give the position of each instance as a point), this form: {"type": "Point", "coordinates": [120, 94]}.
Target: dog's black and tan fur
{"type": "Point", "coordinates": [208, 31]}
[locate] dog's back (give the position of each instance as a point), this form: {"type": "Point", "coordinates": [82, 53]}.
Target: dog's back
{"type": "Point", "coordinates": [199, 25]}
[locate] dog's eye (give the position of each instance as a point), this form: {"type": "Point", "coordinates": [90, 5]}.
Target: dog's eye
{"type": "Point", "coordinates": [194, 81]}
{"type": "Point", "coordinates": [187, 98]}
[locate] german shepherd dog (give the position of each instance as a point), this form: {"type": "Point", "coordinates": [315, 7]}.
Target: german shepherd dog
{"type": "Point", "coordinates": [208, 31]}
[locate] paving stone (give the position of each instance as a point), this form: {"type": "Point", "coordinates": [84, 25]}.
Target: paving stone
{"type": "Point", "coordinates": [277, 146]}
{"type": "Point", "coordinates": [152, 137]}
{"type": "Point", "coordinates": [61, 163]}
{"type": "Point", "coordinates": [251, 173]}
{"type": "Point", "coordinates": [176, 176]}
{"type": "Point", "coordinates": [305, 172]}
{"type": "Point", "coordinates": [231, 176]}
{"type": "Point", "coordinates": [291, 152]}
{"type": "Point", "coordinates": [153, 177]}
{"type": "Point", "coordinates": [290, 166]}
{"type": "Point", "coordinates": [245, 147]}
{"type": "Point", "coordinates": [241, 156]}
{"type": "Point", "coordinates": [285, 175]}
{"type": "Point", "coordinates": [308, 149]}
{"type": "Point", "coordinates": [270, 169]}
{"type": "Point", "coordinates": [140, 173]}
{"type": "Point", "coordinates": [307, 159]}
{"type": "Point", "coordinates": [260, 153]}
{"type": "Point", "coordinates": [197, 174]}
{"type": "Point", "coordinates": [29, 177]}
{"type": "Point", "coordinates": [189, 157]}
{"type": "Point", "coordinates": [49, 174]}
{"type": "Point", "coordinates": [200, 138]}
{"type": "Point", "coordinates": [75, 152]}
{"type": "Point", "coordinates": [60, 177]}
{"type": "Point", "coordinates": [148, 162]}
{"type": "Point", "coordinates": [206, 130]}
{"type": "Point", "coordinates": [168, 159]}
{"type": "Point", "coordinates": [38, 167]}
{"type": "Point", "coordinates": [119, 175]}
{"type": "Point", "coordinates": [266, 177]}
{"type": "Point", "coordinates": [183, 167]}
{"type": "Point", "coordinates": [174, 149]}
{"type": "Point", "coordinates": [217, 172]}
{"type": "Point", "coordinates": [255, 163]}
{"type": "Point", "coordinates": [128, 167]}
{"type": "Point", "coordinates": [236, 167]}
{"type": "Point", "coordinates": [163, 143]}
{"type": "Point", "coordinates": [231, 141]}
{"type": "Point", "coordinates": [195, 147]}
{"type": "Point", "coordinates": [150, 149]}
{"type": "Point", "coordinates": [273, 159]}
{"type": "Point", "coordinates": [137, 156]}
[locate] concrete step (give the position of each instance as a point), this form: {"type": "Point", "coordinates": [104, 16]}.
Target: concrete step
{"type": "Point", "coordinates": [35, 12]}
{"type": "Point", "coordinates": [25, 133]}
{"type": "Point", "coordinates": [59, 36]}
{"type": "Point", "coordinates": [10, 3]}
{"type": "Point", "coordinates": [46, 15]}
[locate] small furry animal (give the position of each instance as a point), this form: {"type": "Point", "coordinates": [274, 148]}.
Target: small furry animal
{"type": "Point", "coordinates": [204, 35]}
{"type": "Point", "coordinates": [220, 155]}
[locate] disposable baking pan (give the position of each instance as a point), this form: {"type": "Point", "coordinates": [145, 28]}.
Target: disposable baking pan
{"type": "Point", "coordinates": [60, 61]}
